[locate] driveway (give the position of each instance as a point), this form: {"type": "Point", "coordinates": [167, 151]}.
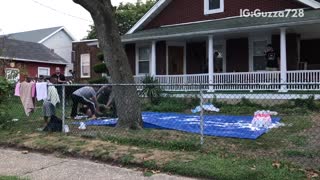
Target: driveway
{"type": "Point", "coordinates": [41, 167]}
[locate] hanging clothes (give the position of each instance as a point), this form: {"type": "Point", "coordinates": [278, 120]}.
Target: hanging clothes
{"type": "Point", "coordinates": [42, 91]}
{"type": "Point", "coordinates": [25, 93]}
{"type": "Point", "coordinates": [49, 104]}
{"type": "Point", "coordinates": [17, 90]}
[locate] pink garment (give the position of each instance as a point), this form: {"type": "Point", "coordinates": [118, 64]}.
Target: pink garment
{"type": "Point", "coordinates": [33, 90]}
{"type": "Point", "coordinates": [17, 90]}
{"type": "Point", "coordinates": [26, 97]}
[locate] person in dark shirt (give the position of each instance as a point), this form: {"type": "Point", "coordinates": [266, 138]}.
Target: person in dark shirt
{"type": "Point", "coordinates": [272, 58]}
{"type": "Point", "coordinates": [58, 78]}
{"type": "Point", "coordinates": [106, 96]}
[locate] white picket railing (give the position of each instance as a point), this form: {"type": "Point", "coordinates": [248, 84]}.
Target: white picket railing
{"type": "Point", "coordinates": [240, 81]}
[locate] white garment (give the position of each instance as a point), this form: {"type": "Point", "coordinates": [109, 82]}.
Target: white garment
{"type": "Point", "coordinates": [53, 95]}
{"type": "Point", "coordinates": [42, 91]}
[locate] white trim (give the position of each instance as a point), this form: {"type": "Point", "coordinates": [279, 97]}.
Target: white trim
{"type": "Point", "coordinates": [138, 46]}
{"type": "Point", "coordinates": [81, 73]}
{"type": "Point", "coordinates": [178, 44]}
{"type": "Point", "coordinates": [44, 68]}
{"type": "Point", "coordinates": [30, 60]}
{"type": "Point", "coordinates": [55, 32]}
{"type": "Point", "coordinates": [312, 3]}
{"type": "Point", "coordinates": [155, 9]}
{"type": "Point", "coordinates": [86, 40]}
{"type": "Point", "coordinates": [211, 60]}
{"type": "Point", "coordinates": [208, 11]}
{"type": "Point", "coordinates": [230, 30]}
{"type": "Point", "coordinates": [283, 58]}
{"type": "Point", "coordinates": [153, 63]}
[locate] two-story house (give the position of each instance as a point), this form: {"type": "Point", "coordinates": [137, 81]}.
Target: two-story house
{"type": "Point", "coordinates": [224, 42]}
{"type": "Point", "coordinates": [57, 39]}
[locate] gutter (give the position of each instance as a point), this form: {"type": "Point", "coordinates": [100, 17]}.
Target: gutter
{"type": "Point", "coordinates": [30, 60]}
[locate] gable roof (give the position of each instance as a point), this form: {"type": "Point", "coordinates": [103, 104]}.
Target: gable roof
{"type": "Point", "coordinates": [39, 35]}
{"type": "Point", "coordinates": [161, 4]}
{"type": "Point", "coordinates": [230, 25]}
{"type": "Point", "coordinates": [28, 51]}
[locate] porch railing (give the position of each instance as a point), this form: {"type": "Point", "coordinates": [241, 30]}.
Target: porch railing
{"type": "Point", "coordinates": [234, 81]}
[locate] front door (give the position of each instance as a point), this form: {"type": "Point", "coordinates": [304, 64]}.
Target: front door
{"type": "Point", "coordinates": [175, 59]}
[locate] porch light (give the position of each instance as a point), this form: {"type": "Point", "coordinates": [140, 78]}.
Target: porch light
{"type": "Point", "coordinates": [12, 64]}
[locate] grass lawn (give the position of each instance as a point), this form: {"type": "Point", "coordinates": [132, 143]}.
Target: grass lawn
{"type": "Point", "coordinates": [11, 178]}
{"type": "Point", "coordinates": [290, 152]}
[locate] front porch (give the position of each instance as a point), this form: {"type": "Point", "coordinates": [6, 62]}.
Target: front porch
{"type": "Point", "coordinates": [230, 59]}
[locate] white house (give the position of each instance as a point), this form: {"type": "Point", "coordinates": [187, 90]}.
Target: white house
{"type": "Point", "coordinates": [58, 39]}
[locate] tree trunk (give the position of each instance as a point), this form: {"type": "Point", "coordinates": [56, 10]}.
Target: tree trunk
{"type": "Point", "coordinates": [126, 97]}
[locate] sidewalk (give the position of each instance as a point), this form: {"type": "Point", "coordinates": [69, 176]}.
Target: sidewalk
{"type": "Point", "coordinates": [42, 167]}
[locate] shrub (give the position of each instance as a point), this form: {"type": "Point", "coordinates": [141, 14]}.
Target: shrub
{"type": "Point", "coordinates": [102, 80]}
{"type": "Point", "coordinates": [100, 68]}
{"type": "Point", "coordinates": [100, 56]}
{"type": "Point", "coordinates": [152, 91]}
{"type": "Point", "coordinates": [5, 89]}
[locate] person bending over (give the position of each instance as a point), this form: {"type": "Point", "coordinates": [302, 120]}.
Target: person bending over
{"type": "Point", "coordinates": [106, 96]}
{"type": "Point", "coordinates": [86, 96]}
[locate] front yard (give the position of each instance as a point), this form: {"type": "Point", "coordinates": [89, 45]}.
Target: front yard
{"type": "Point", "coordinates": [289, 152]}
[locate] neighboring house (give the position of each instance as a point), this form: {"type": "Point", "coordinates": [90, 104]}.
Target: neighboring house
{"type": "Point", "coordinates": [176, 42]}
{"type": "Point", "coordinates": [85, 54]}
{"type": "Point", "coordinates": [58, 39]}
{"type": "Point", "coordinates": [20, 59]}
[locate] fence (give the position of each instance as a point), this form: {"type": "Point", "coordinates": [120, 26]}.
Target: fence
{"type": "Point", "coordinates": [191, 120]}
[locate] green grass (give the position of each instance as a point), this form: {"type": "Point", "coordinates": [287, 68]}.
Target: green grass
{"type": "Point", "coordinates": [219, 158]}
{"type": "Point", "coordinates": [209, 166]}
{"type": "Point", "coordinates": [11, 178]}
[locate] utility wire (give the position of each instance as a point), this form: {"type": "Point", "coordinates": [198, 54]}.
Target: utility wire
{"type": "Point", "coordinates": [61, 12]}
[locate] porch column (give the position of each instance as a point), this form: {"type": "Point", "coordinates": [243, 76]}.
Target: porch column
{"type": "Point", "coordinates": [210, 61]}
{"type": "Point", "coordinates": [283, 59]}
{"type": "Point", "coordinates": [153, 68]}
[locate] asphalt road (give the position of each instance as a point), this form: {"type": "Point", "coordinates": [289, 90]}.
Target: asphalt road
{"type": "Point", "coordinates": [35, 166]}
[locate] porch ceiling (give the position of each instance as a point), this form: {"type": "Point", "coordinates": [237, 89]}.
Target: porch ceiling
{"type": "Point", "coordinates": [238, 24]}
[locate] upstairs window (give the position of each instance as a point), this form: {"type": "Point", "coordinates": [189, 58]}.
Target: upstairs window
{"type": "Point", "coordinates": [213, 6]}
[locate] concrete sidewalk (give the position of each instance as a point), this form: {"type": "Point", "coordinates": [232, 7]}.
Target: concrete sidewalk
{"type": "Point", "coordinates": [41, 167]}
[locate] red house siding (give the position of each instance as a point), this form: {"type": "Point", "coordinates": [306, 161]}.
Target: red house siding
{"type": "Point", "coordinates": [196, 58]}
{"type": "Point", "coordinates": [83, 48]}
{"type": "Point", "coordinates": [30, 69]}
{"type": "Point", "coordinates": [161, 58]}
{"type": "Point", "coordinates": [131, 54]}
{"type": "Point", "coordinates": [237, 55]}
{"type": "Point", "coordinates": [184, 11]}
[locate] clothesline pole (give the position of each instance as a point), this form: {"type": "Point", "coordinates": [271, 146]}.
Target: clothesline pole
{"type": "Point", "coordinates": [63, 107]}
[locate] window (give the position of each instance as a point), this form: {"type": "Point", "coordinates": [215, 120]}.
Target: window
{"type": "Point", "coordinates": [213, 6]}
{"type": "Point", "coordinates": [85, 65]}
{"type": "Point", "coordinates": [43, 71]}
{"type": "Point", "coordinates": [259, 62]}
{"type": "Point", "coordinates": [12, 74]}
{"type": "Point", "coordinates": [144, 60]}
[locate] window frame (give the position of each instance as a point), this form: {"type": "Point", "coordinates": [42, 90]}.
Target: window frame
{"type": "Point", "coordinates": [43, 68]}
{"type": "Point", "coordinates": [138, 60]}
{"type": "Point", "coordinates": [81, 65]}
{"type": "Point", "coordinates": [208, 11]}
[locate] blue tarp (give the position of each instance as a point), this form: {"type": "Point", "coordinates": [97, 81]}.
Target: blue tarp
{"type": "Point", "coordinates": [215, 125]}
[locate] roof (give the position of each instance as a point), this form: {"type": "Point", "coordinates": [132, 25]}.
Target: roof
{"type": "Point", "coordinates": [161, 4]}
{"type": "Point", "coordinates": [221, 26]}
{"type": "Point", "coordinates": [39, 35]}
{"type": "Point", "coordinates": [28, 51]}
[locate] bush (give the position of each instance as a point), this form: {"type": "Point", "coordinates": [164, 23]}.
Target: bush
{"type": "Point", "coordinates": [152, 91]}
{"type": "Point", "coordinates": [5, 89]}
{"type": "Point", "coordinates": [100, 56]}
{"type": "Point", "coordinates": [100, 68]}
{"type": "Point", "coordinates": [102, 80]}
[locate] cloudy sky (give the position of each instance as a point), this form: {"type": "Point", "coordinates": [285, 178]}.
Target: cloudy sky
{"type": "Point", "coordinates": [23, 15]}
